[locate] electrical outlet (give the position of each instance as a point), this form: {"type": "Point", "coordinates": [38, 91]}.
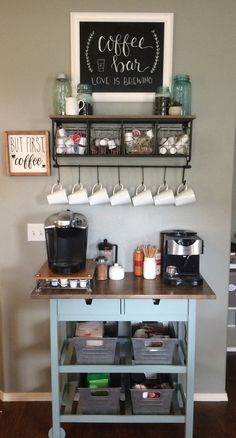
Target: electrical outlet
{"type": "Point", "coordinates": [35, 232]}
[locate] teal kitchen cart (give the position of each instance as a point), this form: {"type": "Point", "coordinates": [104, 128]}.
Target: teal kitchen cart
{"type": "Point", "coordinates": [126, 301]}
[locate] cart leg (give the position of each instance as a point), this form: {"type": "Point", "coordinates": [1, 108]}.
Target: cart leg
{"type": "Point", "coordinates": [190, 369]}
{"type": "Point", "coordinates": [51, 433]}
{"type": "Point", "coordinates": [56, 431]}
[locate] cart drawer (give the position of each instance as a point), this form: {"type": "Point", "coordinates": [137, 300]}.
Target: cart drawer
{"type": "Point", "coordinates": [92, 310]}
{"type": "Point", "coordinates": [148, 309]}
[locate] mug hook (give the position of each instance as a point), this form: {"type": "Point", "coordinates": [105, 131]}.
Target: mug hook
{"type": "Point", "coordinates": [142, 176]}
{"type": "Point", "coordinates": [164, 177]}
{"type": "Point", "coordinates": [183, 177]}
{"type": "Point", "coordinates": [98, 175]}
{"type": "Point", "coordinates": [118, 175]}
{"type": "Point", "coordinates": [58, 175]}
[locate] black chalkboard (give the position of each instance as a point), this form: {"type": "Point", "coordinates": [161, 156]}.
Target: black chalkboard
{"type": "Point", "coordinates": [122, 56]}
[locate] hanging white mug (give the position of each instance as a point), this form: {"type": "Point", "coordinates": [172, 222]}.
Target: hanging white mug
{"type": "Point", "coordinates": [78, 195]}
{"type": "Point", "coordinates": [184, 195]}
{"type": "Point", "coordinates": [58, 195]}
{"type": "Point", "coordinates": [164, 196]}
{"type": "Point", "coordinates": [99, 195]}
{"type": "Point", "coordinates": [120, 195]}
{"type": "Point", "coordinates": [143, 196]}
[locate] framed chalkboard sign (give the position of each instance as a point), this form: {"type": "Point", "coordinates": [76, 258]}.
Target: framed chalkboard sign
{"type": "Point", "coordinates": [27, 153]}
{"type": "Point", "coordinates": [124, 56]}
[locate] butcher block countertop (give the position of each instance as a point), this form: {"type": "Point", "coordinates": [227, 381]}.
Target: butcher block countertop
{"type": "Point", "coordinates": [130, 287]}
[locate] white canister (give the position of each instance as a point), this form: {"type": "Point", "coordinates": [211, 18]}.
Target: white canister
{"type": "Point", "coordinates": [149, 268]}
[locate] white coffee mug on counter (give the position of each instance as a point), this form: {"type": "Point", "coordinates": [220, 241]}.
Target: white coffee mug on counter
{"type": "Point", "coordinates": [143, 196]}
{"type": "Point", "coordinates": [184, 195]}
{"type": "Point", "coordinates": [72, 106]}
{"type": "Point", "coordinates": [120, 195]}
{"type": "Point", "coordinates": [99, 195]}
{"type": "Point", "coordinates": [58, 195]}
{"type": "Point", "coordinates": [78, 195]}
{"type": "Point", "coordinates": [164, 196]}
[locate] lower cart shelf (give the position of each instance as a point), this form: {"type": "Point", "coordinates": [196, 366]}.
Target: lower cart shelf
{"type": "Point", "coordinates": [71, 410]}
{"type": "Point", "coordinates": [123, 360]}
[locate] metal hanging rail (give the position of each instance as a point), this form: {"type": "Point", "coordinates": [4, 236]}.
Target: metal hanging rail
{"type": "Point", "coordinates": [138, 166]}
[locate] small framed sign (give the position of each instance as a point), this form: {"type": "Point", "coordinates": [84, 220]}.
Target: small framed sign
{"type": "Point", "coordinates": [124, 56]}
{"type": "Point", "coordinates": [27, 153]}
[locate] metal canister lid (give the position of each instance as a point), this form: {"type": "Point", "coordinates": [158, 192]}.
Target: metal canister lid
{"type": "Point", "coordinates": [61, 76]}
{"type": "Point", "coordinates": [101, 259]}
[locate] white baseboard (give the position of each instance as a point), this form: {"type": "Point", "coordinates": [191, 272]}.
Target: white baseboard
{"type": "Point", "coordinates": [25, 396]}
{"type": "Point", "coordinates": [46, 396]}
{"type": "Point", "coordinates": [212, 397]}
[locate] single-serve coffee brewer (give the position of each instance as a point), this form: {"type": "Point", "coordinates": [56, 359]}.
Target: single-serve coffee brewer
{"type": "Point", "coordinates": [180, 257]}
{"type": "Point", "coordinates": [66, 241]}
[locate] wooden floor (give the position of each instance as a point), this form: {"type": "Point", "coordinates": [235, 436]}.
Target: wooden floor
{"type": "Point", "coordinates": [212, 420]}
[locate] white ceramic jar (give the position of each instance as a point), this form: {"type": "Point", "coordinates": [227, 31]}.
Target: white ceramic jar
{"type": "Point", "coordinates": [116, 272]}
{"type": "Point", "coordinates": [149, 268]}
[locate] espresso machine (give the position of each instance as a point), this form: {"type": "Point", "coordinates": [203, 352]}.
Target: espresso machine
{"type": "Point", "coordinates": [181, 251]}
{"type": "Point", "coordinates": [66, 242]}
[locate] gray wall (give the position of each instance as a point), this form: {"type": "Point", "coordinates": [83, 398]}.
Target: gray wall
{"type": "Point", "coordinates": [35, 46]}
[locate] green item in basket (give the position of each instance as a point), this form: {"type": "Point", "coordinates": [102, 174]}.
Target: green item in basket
{"type": "Point", "coordinates": [98, 380]}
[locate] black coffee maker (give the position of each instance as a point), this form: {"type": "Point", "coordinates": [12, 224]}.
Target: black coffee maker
{"type": "Point", "coordinates": [66, 241]}
{"type": "Point", "coordinates": [181, 251]}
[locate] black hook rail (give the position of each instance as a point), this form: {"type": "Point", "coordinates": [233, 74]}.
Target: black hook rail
{"type": "Point", "coordinates": [138, 166]}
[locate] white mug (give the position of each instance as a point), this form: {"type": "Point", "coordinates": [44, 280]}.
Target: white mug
{"type": "Point", "coordinates": [99, 195]}
{"type": "Point", "coordinates": [143, 197]}
{"type": "Point", "coordinates": [184, 195]}
{"type": "Point", "coordinates": [120, 195]}
{"type": "Point", "coordinates": [72, 107]}
{"type": "Point", "coordinates": [58, 195]}
{"type": "Point", "coordinates": [164, 196]}
{"type": "Point", "coordinates": [78, 195]}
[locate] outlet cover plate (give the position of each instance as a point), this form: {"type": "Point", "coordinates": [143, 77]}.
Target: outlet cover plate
{"type": "Point", "coordinates": [35, 232]}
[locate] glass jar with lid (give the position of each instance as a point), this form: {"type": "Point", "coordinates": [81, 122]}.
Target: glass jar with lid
{"type": "Point", "coordinates": [182, 92]}
{"type": "Point", "coordinates": [101, 268]}
{"type": "Point", "coordinates": [85, 99]}
{"type": "Point", "coordinates": [62, 89]}
{"type": "Point", "coordinates": [162, 101]}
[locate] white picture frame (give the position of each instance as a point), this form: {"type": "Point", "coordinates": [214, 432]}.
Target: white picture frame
{"type": "Point", "coordinates": [76, 18]}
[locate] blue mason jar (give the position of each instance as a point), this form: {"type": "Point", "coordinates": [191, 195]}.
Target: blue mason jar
{"type": "Point", "coordinates": [182, 92]}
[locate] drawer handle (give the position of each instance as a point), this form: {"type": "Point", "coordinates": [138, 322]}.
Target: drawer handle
{"type": "Point", "coordinates": [156, 302]}
{"type": "Point", "coordinates": [89, 301]}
